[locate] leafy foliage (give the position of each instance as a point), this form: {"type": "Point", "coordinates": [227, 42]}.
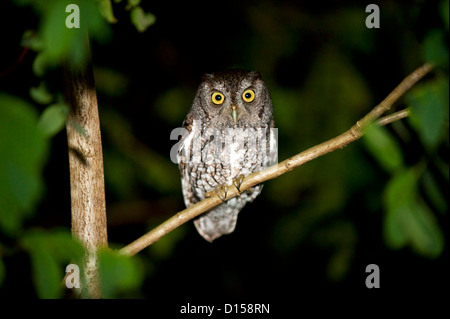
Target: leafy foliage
{"type": "Point", "coordinates": [429, 111]}
{"type": "Point", "coordinates": [119, 274]}
{"type": "Point", "coordinates": [409, 220]}
{"type": "Point", "coordinates": [26, 139]}
{"type": "Point", "coordinates": [50, 253]}
{"type": "Point", "coordinates": [23, 152]}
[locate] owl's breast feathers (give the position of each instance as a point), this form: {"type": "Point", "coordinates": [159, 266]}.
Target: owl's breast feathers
{"type": "Point", "coordinates": [209, 158]}
{"type": "Point", "coordinates": [212, 158]}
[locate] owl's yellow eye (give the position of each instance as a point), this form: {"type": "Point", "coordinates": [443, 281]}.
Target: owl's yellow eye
{"type": "Point", "coordinates": [217, 98]}
{"type": "Point", "coordinates": [248, 95]}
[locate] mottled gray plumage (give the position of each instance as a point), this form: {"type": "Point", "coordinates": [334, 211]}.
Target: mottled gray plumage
{"type": "Point", "coordinates": [228, 135]}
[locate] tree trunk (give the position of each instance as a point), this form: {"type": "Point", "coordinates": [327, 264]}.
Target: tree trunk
{"type": "Point", "coordinates": [86, 171]}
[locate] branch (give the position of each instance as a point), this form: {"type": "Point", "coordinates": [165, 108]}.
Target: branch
{"type": "Point", "coordinates": [87, 189]}
{"type": "Point", "coordinates": [353, 134]}
{"type": "Point", "coordinates": [393, 117]}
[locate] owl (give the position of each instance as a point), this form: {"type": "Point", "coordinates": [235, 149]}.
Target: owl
{"type": "Point", "coordinates": [229, 134]}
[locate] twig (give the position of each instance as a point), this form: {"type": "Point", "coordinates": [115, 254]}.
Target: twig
{"type": "Point", "coordinates": [393, 117]}
{"type": "Point", "coordinates": [354, 133]}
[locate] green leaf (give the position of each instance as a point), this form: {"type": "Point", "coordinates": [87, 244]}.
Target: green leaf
{"type": "Point", "coordinates": [425, 234]}
{"type": "Point", "coordinates": [132, 3]}
{"type": "Point", "coordinates": [53, 119]}
{"type": "Point", "coordinates": [429, 110]}
{"type": "Point", "coordinates": [398, 192]}
{"type": "Point", "coordinates": [141, 19]}
{"type": "Point", "coordinates": [339, 263]}
{"type": "Point", "coordinates": [98, 28]}
{"type": "Point", "coordinates": [435, 194]}
{"type": "Point", "coordinates": [23, 151]}
{"type": "Point", "coordinates": [118, 273]}
{"type": "Point", "coordinates": [47, 276]}
{"type": "Point", "coordinates": [41, 94]}
{"type": "Point", "coordinates": [436, 50]}
{"type": "Point", "coordinates": [40, 64]}
{"type": "Point", "coordinates": [408, 220]}
{"type": "Point", "coordinates": [61, 42]}
{"type": "Point", "coordinates": [106, 10]}
{"type": "Point", "coordinates": [51, 252]}
{"type": "Point", "coordinates": [340, 235]}
{"type": "Point", "coordinates": [383, 147]}
{"type": "Point", "coordinates": [393, 232]}
{"type": "Point", "coordinates": [32, 40]}
{"type": "Point", "coordinates": [64, 247]}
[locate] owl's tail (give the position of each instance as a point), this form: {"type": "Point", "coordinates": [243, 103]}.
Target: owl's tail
{"type": "Point", "coordinates": [217, 222]}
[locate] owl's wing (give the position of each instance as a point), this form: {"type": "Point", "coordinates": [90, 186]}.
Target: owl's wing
{"type": "Point", "coordinates": [184, 157]}
{"type": "Point", "coordinates": [273, 146]}
{"type": "Point", "coordinates": [188, 122]}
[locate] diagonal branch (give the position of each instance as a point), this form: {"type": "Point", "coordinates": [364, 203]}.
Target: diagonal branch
{"type": "Point", "coordinates": [353, 134]}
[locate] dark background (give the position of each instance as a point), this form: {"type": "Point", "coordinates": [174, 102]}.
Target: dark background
{"type": "Point", "coordinates": [312, 230]}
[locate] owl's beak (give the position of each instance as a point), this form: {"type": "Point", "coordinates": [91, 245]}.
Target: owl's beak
{"type": "Point", "coordinates": [234, 113]}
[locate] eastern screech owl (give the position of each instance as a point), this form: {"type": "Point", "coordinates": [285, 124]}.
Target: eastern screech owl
{"type": "Point", "coordinates": [229, 136]}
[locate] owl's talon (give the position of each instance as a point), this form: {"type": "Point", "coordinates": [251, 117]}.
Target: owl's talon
{"type": "Point", "coordinates": [237, 182]}
{"type": "Point", "coordinates": [222, 193]}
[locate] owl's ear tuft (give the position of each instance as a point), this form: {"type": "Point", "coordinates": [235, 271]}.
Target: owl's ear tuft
{"type": "Point", "coordinates": [207, 77]}
{"type": "Point", "coordinates": [255, 74]}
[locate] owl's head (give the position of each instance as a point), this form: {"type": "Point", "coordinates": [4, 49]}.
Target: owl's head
{"type": "Point", "coordinates": [233, 98]}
